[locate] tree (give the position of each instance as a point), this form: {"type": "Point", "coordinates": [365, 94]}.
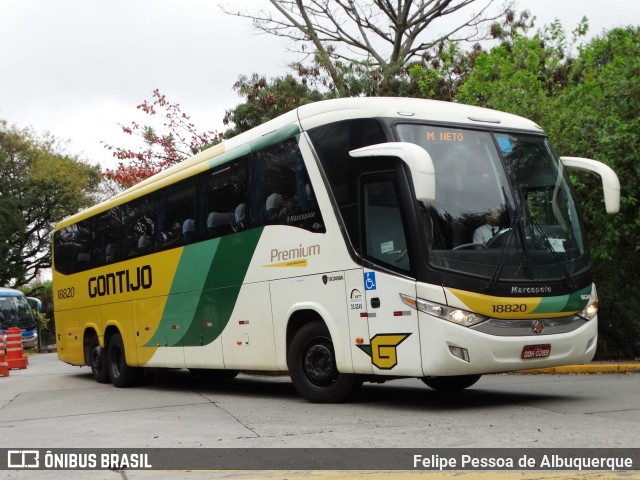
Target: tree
{"type": "Point", "coordinates": [159, 150]}
{"type": "Point", "coordinates": [448, 67]}
{"type": "Point", "coordinates": [598, 116]}
{"type": "Point", "coordinates": [523, 74]}
{"type": "Point", "coordinates": [41, 185]}
{"type": "Point", "coordinates": [265, 100]}
{"type": "Point", "coordinates": [383, 35]}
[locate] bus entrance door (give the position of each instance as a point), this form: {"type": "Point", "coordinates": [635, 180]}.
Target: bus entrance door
{"type": "Point", "coordinates": [394, 338]}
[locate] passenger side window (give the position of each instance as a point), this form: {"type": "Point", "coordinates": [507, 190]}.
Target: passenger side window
{"type": "Point", "coordinates": [177, 215]}
{"type": "Point", "coordinates": [332, 143]}
{"type": "Point", "coordinates": [226, 200]}
{"type": "Point", "coordinates": [107, 241]}
{"type": "Point", "coordinates": [140, 227]}
{"type": "Point", "coordinates": [287, 196]}
{"type": "Point", "coordinates": [73, 247]}
{"type": "Point", "coordinates": [382, 223]}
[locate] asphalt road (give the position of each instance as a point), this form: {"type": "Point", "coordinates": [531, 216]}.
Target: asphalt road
{"type": "Point", "coordinates": [54, 405]}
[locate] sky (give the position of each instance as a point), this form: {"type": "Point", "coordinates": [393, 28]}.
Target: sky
{"type": "Point", "coordinates": [78, 68]}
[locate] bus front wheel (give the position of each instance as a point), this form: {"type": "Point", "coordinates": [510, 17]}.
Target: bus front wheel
{"type": "Point", "coordinates": [450, 384]}
{"type": "Point", "coordinates": [121, 374]}
{"type": "Point", "coordinates": [312, 367]}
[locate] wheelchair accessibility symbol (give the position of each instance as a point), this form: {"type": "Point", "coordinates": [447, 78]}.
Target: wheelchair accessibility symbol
{"type": "Point", "coordinates": [369, 280]}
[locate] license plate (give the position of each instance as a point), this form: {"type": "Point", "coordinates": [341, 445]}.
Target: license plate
{"type": "Point", "coordinates": [530, 352]}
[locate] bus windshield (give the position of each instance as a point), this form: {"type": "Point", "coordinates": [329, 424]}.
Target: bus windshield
{"type": "Point", "coordinates": [16, 312]}
{"type": "Point", "coordinates": [503, 207]}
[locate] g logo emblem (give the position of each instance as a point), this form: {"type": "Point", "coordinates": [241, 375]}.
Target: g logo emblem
{"type": "Point", "coordinates": [383, 349]}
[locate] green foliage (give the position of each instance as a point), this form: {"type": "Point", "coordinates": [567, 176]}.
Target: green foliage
{"type": "Point", "coordinates": [446, 68]}
{"type": "Point", "coordinates": [442, 74]}
{"type": "Point", "coordinates": [598, 116]}
{"type": "Point", "coordinates": [265, 100]}
{"type": "Point", "coordinates": [41, 185]}
{"type": "Point", "coordinates": [518, 77]}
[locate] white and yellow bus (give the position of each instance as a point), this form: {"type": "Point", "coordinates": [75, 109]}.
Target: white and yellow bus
{"type": "Point", "coordinates": [339, 242]}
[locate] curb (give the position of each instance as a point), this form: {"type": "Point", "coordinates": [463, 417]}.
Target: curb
{"type": "Point", "coordinates": [588, 368]}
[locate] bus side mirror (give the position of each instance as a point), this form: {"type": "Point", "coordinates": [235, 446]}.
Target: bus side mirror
{"type": "Point", "coordinates": [416, 157]}
{"type": "Point", "coordinates": [610, 182]}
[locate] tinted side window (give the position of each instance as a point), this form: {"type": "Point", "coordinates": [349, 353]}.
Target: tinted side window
{"type": "Point", "coordinates": [218, 202]}
{"type": "Point", "coordinates": [285, 193]}
{"type": "Point", "coordinates": [106, 245]}
{"type": "Point", "coordinates": [139, 227]}
{"type": "Point", "coordinates": [333, 143]}
{"type": "Point", "coordinates": [73, 247]}
{"type": "Point", "coordinates": [177, 215]}
{"type": "Point", "coordinates": [225, 200]}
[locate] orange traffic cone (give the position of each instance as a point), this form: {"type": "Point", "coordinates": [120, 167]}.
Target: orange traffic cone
{"type": "Point", "coordinates": [15, 352]}
{"type": "Point", "coordinates": [4, 366]}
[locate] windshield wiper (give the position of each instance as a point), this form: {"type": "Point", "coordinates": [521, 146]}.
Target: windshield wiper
{"type": "Point", "coordinates": [514, 226]}
{"type": "Point", "coordinates": [571, 283]}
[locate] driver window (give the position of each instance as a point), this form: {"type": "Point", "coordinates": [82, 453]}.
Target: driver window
{"type": "Point", "coordinates": [383, 227]}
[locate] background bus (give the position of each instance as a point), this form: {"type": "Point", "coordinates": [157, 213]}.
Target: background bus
{"type": "Point", "coordinates": [336, 242]}
{"type": "Point", "coordinates": [15, 311]}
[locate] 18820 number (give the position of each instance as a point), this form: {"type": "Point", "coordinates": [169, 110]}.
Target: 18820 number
{"type": "Point", "coordinates": [510, 308]}
{"type": "Point", "coordinates": [66, 293]}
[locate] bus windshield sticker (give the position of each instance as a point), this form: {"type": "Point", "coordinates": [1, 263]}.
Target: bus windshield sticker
{"type": "Point", "coordinates": [505, 144]}
{"type": "Point", "coordinates": [386, 247]}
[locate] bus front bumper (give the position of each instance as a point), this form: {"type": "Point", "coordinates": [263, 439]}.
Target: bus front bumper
{"type": "Point", "coordinates": [450, 349]}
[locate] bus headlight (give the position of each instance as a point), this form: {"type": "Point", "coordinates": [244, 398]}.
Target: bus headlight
{"type": "Point", "coordinates": [590, 311]}
{"type": "Point", "coordinates": [462, 317]}
{"type": "Point", "coordinates": [453, 315]}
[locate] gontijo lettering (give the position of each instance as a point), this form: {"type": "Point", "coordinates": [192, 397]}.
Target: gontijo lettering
{"type": "Point", "coordinates": [122, 281]}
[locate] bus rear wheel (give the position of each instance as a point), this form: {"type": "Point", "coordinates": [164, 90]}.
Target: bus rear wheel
{"type": "Point", "coordinates": [451, 384]}
{"type": "Point", "coordinates": [121, 374]}
{"type": "Point", "coordinates": [312, 367]}
{"type": "Point", "coordinates": [96, 358]}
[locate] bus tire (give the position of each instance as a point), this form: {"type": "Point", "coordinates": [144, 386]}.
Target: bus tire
{"type": "Point", "coordinates": [451, 384]}
{"type": "Point", "coordinates": [96, 358]}
{"type": "Point", "coordinates": [312, 367]}
{"type": "Point", "coordinates": [121, 374]}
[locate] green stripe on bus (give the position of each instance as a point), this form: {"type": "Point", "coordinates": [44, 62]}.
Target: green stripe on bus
{"type": "Point", "coordinates": [205, 290]}
{"type": "Point", "coordinates": [573, 302]}
{"type": "Point", "coordinates": [221, 290]}
{"type": "Point", "coordinates": [264, 141]}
